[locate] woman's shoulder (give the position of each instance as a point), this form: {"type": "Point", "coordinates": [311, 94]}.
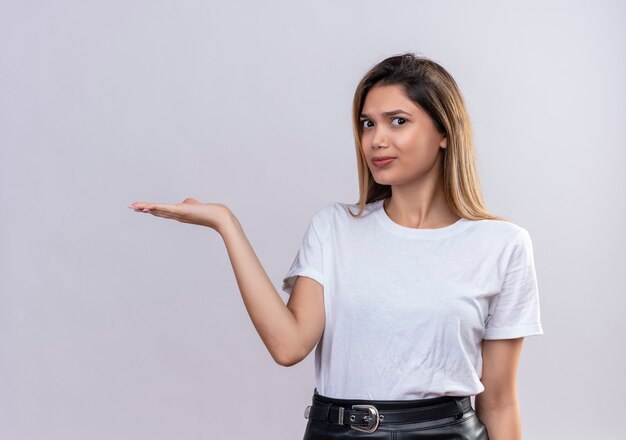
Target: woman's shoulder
{"type": "Point", "coordinates": [342, 212]}
{"type": "Point", "coordinates": [339, 211]}
{"type": "Point", "coordinates": [505, 229]}
{"type": "Point", "coordinates": [326, 210]}
{"type": "Point", "coordinates": [333, 207]}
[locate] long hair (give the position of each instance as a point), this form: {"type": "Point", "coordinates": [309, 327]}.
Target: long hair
{"type": "Point", "coordinates": [433, 89]}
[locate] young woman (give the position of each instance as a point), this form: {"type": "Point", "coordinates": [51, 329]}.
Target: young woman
{"type": "Point", "coordinates": [416, 302]}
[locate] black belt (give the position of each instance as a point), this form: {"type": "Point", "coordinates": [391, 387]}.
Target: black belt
{"type": "Point", "coordinates": [367, 418]}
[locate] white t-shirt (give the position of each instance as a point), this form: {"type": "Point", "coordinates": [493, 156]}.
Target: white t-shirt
{"type": "Point", "coordinates": [407, 308]}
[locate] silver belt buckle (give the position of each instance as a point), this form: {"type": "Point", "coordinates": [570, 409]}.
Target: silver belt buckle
{"type": "Point", "coordinates": [372, 419]}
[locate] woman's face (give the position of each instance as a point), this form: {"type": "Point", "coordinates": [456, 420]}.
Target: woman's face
{"type": "Point", "coordinates": [405, 133]}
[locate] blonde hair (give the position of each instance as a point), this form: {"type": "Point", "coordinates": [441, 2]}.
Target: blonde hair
{"type": "Point", "coordinates": [432, 88]}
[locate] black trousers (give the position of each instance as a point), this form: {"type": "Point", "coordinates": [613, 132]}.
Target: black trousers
{"type": "Point", "coordinates": [464, 425]}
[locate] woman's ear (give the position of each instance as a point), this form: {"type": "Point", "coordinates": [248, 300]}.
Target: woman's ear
{"type": "Point", "coordinates": [444, 142]}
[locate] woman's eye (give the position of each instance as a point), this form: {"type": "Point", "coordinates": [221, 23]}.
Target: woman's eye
{"type": "Point", "coordinates": [365, 121]}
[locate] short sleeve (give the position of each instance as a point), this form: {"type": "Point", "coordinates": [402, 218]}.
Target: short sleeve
{"type": "Point", "coordinates": [308, 261]}
{"type": "Point", "coordinates": [514, 312]}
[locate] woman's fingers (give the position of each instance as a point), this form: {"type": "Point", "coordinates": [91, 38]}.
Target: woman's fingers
{"type": "Point", "coordinates": [191, 201]}
{"type": "Point", "coordinates": [161, 210]}
{"type": "Point", "coordinates": [160, 206]}
{"type": "Point", "coordinates": [176, 212]}
{"type": "Point", "coordinates": [145, 206]}
{"type": "Point", "coordinates": [138, 206]}
{"type": "Point", "coordinates": [189, 210]}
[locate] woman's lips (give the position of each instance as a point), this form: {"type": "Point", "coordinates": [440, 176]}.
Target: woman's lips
{"type": "Point", "coordinates": [382, 163]}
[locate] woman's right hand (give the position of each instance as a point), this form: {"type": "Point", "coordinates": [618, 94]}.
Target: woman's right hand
{"type": "Point", "coordinates": [189, 210]}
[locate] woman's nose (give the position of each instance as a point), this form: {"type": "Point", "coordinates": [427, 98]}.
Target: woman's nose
{"type": "Point", "coordinates": [379, 139]}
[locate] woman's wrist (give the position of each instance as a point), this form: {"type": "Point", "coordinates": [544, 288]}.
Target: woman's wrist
{"type": "Point", "coordinates": [228, 221]}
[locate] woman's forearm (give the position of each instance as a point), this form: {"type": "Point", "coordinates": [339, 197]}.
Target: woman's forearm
{"type": "Point", "coordinates": [274, 322]}
{"type": "Point", "coordinates": [502, 422]}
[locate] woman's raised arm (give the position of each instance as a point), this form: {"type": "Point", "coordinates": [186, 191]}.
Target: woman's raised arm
{"type": "Point", "coordinates": [274, 322]}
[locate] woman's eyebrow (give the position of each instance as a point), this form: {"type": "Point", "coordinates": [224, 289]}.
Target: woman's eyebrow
{"type": "Point", "coordinates": [390, 113]}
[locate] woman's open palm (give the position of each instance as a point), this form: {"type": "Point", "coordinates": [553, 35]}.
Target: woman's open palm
{"type": "Point", "coordinates": [188, 211]}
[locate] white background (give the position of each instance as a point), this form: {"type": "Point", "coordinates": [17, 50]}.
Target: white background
{"type": "Point", "coordinates": [121, 325]}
